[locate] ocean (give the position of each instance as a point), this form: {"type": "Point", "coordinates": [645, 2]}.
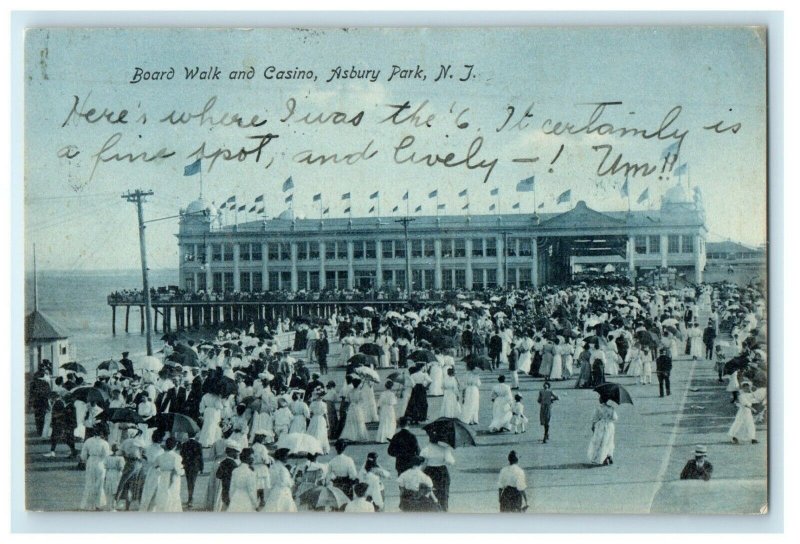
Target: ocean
{"type": "Point", "coordinates": [76, 301]}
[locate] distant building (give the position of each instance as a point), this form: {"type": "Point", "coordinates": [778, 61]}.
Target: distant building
{"type": "Point", "coordinates": [293, 253]}
{"type": "Point", "coordinates": [730, 253]}
{"type": "Point", "coordinates": [44, 340]}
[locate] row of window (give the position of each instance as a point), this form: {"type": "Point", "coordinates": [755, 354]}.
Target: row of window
{"type": "Point", "coordinates": [676, 243]}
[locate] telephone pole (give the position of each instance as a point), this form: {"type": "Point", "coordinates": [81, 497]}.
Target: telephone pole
{"type": "Point", "coordinates": [138, 197]}
{"type": "Point", "coordinates": [405, 221]}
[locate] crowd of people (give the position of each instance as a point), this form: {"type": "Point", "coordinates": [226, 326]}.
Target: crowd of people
{"type": "Point", "coordinates": [259, 420]}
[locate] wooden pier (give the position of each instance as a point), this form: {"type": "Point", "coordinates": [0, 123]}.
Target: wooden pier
{"type": "Point", "coordinates": [185, 315]}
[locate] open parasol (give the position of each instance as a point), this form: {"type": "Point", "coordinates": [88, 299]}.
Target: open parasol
{"type": "Point", "coordinates": [393, 315]}
{"type": "Point", "coordinates": [367, 373]}
{"type": "Point", "coordinates": [324, 496]}
{"type": "Point", "coordinates": [359, 359]}
{"type": "Point", "coordinates": [422, 356]}
{"type": "Point", "coordinates": [110, 365]}
{"type": "Point", "coordinates": [148, 362]}
{"type": "Point", "coordinates": [299, 444]}
{"type": "Point", "coordinates": [74, 367]}
{"type": "Point", "coordinates": [614, 392]}
{"type": "Point", "coordinates": [88, 395]}
{"type": "Point", "coordinates": [124, 415]}
{"type": "Point", "coordinates": [177, 423]}
{"type": "Point", "coordinates": [371, 349]}
{"type": "Point", "coordinates": [450, 431]}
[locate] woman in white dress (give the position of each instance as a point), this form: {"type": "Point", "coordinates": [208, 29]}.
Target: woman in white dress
{"type": "Point", "coordinates": [385, 342]}
{"type": "Point", "coordinates": [601, 446]}
{"type": "Point", "coordinates": [279, 498]}
{"type": "Point", "coordinates": [472, 396]}
{"type": "Point", "coordinates": [634, 360]}
{"type": "Point", "coordinates": [262, 423]}
{"type": "Point", "coordinates": [211, 408]}
{"type": "Point", "coordinates": [170, 471]}
{"type": "Point", "coordinates": [647, 366]}
{"type": "Point", "coordinates": [151, 453]}
{"type": "Point", "coordinates": [556, 368]}
{"type": "Point", "coordinates": [94, 452]}
{"type": "Point", "coordinates": [318, 427]}
{"type": "Point", "coordinates": [525, 357]}
{"type": "Point", "coordinates": [450, 404]}
{"type": "Point", "coordinates": [369, 406]}
{"type": "Point", "coordinates": [373, 475]}
{"type": "Point", "coordinates": [387, 421]}
{"type": "Point", "coordinates": [348, 349]}
{"type": "Point", "coordinates": [114, 464]}
{"type": "Point", "coordinates": [744, 426]}
{"type": "Point", "coordinates": [408, 386]}
{"type": "Point", "coordinates": [502, 401]}
{"type": "Point", "coordinates": [568, 351]}
{"type": "Point", "coordinates": [355, 430]}
{"type": "Point", "coordinates": [696, 348]}
{"type": "Point", "coordinates": [243, 491]}
{"type": "Point", "coordinates": [300, 414]}
{"type": "Point", "coordinates": [612, 357]}
{"type": "Point", "coordinates": [436, 374]}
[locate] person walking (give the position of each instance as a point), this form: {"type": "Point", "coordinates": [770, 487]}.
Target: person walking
{"type": "Point", "coordinates": [601, 446]}
{"type": "Point", "coordinates": [546, 400]}
{"type": "Point", "coordinates": [438, 455]}
{"type": "Point", "coordinates": [709, 337]}
{"type": "Point", "coordinates": [663, 369]}
{"type": "Point", "coordinates": [511, 486]}
{"type": "Point", "coordinates": [192, 454]}
{"type": "Point", "coordinates": [403, 447]}
{"type": "Point", "coordinates": [322, 348]}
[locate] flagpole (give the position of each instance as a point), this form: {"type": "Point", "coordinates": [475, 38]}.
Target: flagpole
{"type": "Point", "coordinates": [628, 183]}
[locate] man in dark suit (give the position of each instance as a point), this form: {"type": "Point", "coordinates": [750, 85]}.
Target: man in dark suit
{"type": "Point", "coordinates": [38, 398]}
{"type": "Point", "coordinates": [495, 349]}
{"type": "Point", "coordinates": [466, 340]}
{"type": "Point", "coordinates": [192, 454]}
{"type": "Point", "coordinates": [225, 471]}
{"type": "Point", "coordinates": [698, 468]}
{"type": "Point", "coordinates": [403, 447]}
{"type": "Point", "coordinates": [127, 365]}
{"type": "Point", "coordinates": [709, 336]}
{"type": "Point", "coordinates": [165, 401]}
{"type": "Point", "coordinates": [322, 348]}
{"type": "Point", "coordinates": [663, 369]}
{"type": "Point", "coordinates": [63, 424]}
{"type": "Point", "coordinates": [312, 385]}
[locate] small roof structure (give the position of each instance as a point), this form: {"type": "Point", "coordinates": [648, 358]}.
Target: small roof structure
{"type": "Point", "coordinates": [41, 328]}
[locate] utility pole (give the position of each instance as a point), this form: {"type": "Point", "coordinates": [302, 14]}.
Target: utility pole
{"type": "Point", "coordinates": [405, 221]}
{"type": "Point", "coordinates": [138, 197]}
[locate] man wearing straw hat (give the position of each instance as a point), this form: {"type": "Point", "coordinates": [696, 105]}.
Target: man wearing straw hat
{"type": "Point", "coordinates": [698, 468]}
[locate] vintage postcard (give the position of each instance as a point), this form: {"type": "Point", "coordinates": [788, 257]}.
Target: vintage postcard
{"type": "Point", "coordinates": [468, 270]}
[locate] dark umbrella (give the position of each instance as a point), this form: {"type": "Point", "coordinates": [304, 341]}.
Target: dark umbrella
{"type": "Point", "coordinates": [223, 386]}
{"type": "Point", "coordinates": [111, 366]}
{"type": "Point", "coordinates": [74, 367]}
{"type": "Point", "coordinates": [176, 423]}
{"type": "Point", "coordinates": [672, 330]}
{"type": "Point", "coordinates": [124, 415]}
{"type": "Point", "coordinates": [396, 377]}
{"type": "Point", "coordinates": [451, 431]}
{"type": "Point", "coordinates": [359, 359]}
{"type": "Point", "coordinates": [371, 349]}
{"type": "Point", "coordinates": [422, 356]}
{"type": "Point", "coordinates": [614, 392]}
{"type": "Point", "coordinates": [736, 364]}
{"type": "Point", "coordinates": [480, 361]}
{"type": "Point", "coordinates": [592, 339]}
{"type": "Point", "coordinates": [647, 338]}
{"type": "Point", "coordinates": [88, 395]}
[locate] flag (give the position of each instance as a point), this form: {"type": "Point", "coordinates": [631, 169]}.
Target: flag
{"type": "Point", "coordinates": [260, 210]}
{"type": "Point", "coordinates": [624, 190]}
{"type": "Point", "coordinates": [515, 206]}
{"type": "Point", "coordinates": [441, 206]}
{"type": "Point", "coordinates": [405, 196]}
{"type": "Point", "coordinates": [495, 192]}
{"type": "Point", "coordinates": [192, 169]}
{"type": "Point", "coordinates": [231, 200]}
{"type": "Point", "coordinates": [260, 198]}
{"type": "Point", "coordinates": [433, 194]}
{"type": "Point", "coordinates": [289, 198]}
{"type": "Point", "coordinates": [564, 197]}
{"type": "Point", "coordinates": [372, 209]}
{"type": "Point", "coordinates": [541, 205]}
{"type": "Point", "coordinates": [418, 209]}
{"type": "Point", "coordinates": [395, 209]}
{"type": "Point", "coordinates": [317, 197]}
{"type": "Point", "coordinates": [463, 193]}
{"type": "Point", "coordinates": [526, 185]}
{"type": "Point", "coordinates": [325, 212]}
{"type": "Point", "coordinates": [670, 150]}
{"type": "Point", "coordinates": [288, 184]}
{"type": "Point", "coordinates": [346, 196]}
{"type": "Point", "coordinates": [492, 207]}
{"type": "Point", "coordinates": [347, 209]}
{"type": "Point", "coordinates": [681, 170]}
{"type": "Point", "coordinates": [466, 206]}
{"type": "Point", "coordinates": [644, 196]}
{"type": "Point", "coordinates": [374, 195]}
{"type": "Point", "coordinates": [243, 207]}
{"type": "Point", "coordinates": [251, 210]}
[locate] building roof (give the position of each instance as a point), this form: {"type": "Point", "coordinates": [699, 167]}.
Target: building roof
{"type": "Point", "coordinates": [729, 246]}
{"type": "Point", "coordinates": [39, 327]}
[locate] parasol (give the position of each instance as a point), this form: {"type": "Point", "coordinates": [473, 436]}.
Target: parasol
{"type": "Point", "coordinates": [397, 377]}
{"type": "Point", "coordinates": [450, 431]}
{"type": "Point", "coordinates": [422, 356]}
{"type": "Point", "coordinates": [299, 444]}
{"type": "Point", "coordinates": [223, 386]}
{"type": "Point", "coordinates": [111, 366]}
{"type": "Point", "coordinates": [614, 392]}
{"type": "Point", "coordinates": [74, 367]}
{"type": "Point", "coordinates": [359, 359]}
{"type": "Point", "coordinates": [149, 362]}
{"type": "Point", "coordinates": [413, 315]}
{"type": "Point", "coordinates": [371, 349]}
{"type": "Point", "coordinates": [393, 315]}
{"type": "Point", "coordinates": [176, 423]}
{"type": "Point", "coordinates": [670, 322]}
{"type": "Point", "coordinates": [88, 395]}
{"type": "Point", "coordinates": [368, 373]}
{"type": "Point", "coordinates": [124, 415]}
{"type": "Point", "coordinates": [324, 496]}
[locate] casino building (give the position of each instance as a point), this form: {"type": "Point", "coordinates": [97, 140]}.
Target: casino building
{"type": "Point", "coordinates": [292, 253]}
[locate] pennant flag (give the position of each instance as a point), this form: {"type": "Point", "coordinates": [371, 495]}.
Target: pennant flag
{"type": "Point", "coordinates": [347, 209]}
{"type": "Point", "coordinates": [492, 207]}
{"type": "Point", "coordinates": [433, 194]}
{"type": "Point", "coordinates": [564, 197]}
{"type": "Point", "coordinates": [317, 197]}
{"type": "Point", "coordinates": [441, 206]}
{"type": "Point", "coordinates": [289, 198]}
{"type": "Point", "coordinates": [495, 192]}
{"type": "Point", "coordinates": [251, 210]}
{"type": "Point", "coordinates": [260, 210]}
{"type": "Point", "coordinates": [644, 196]}
{"type": "Point", "coordinates": [670, 150]}
{"type": "Point", "coordinates": [192, 169]}
{"type": "Point", "coordinates": [463, 193]}
{"type": "Point", "coordinates": [325, 212]}
{"type": "Point", "coordinates": [374, 195]}
{"type": "Point", "coordinates": [405, 196]}
{"type": "Point", "coordinates": [418, 209]}
{"type": "Point", "coordinates": [243, 207]}
{"type": "Point", "coordinates": [466, 206]}
{"type": "Point", "coordinates": [526, 185]}
{"type": "Point", "coordinates": [681, 170]}
{"type": "Point", "coordinates": [288, 184]}
{"type": "Point", "coordinates": [231, 199]}
{"type": "Point", "coordinates": [541, 205]}
{"type": "Point", "coordinates": [372, 209]}
{"type": "Point", "coordinates": [624, 190]}
{"type": "Point", "coordinates": [260, 198]}
{"type": "Point", "coordinates": [346, 196]}
{"type": "Point", "coordinates": [395, 209]}
{"type": "Point", "coordinates": [221, 206]}
{"type": "Point", "coordinates": [515, 206]}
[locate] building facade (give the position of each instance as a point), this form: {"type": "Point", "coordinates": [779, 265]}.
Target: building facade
{"type": "Point", "coordinates": [290, 253]}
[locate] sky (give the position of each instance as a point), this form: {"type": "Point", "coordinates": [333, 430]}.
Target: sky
{"type": "Point", "coordinates": [76, 217]}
